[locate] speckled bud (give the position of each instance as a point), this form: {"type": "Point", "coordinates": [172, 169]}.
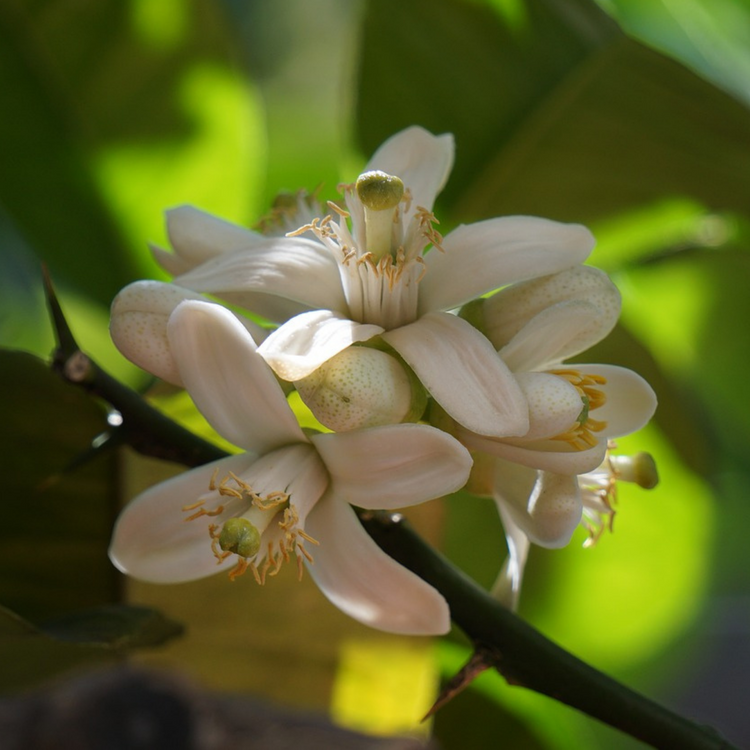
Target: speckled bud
{"type": "Point", "coordinates": [554, 404]}
{"type": "Point", "coordinates": [362, 387]}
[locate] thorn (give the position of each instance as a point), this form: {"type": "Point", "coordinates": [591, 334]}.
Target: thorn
{"type": "Point", "coordinates": [481, 660]}
{"type": "Point", "coordinates": [102, 443]}
{"type": "Point", "coordinates": [66, 344]}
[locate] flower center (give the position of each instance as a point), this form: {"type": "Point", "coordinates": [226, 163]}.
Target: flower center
{"type": "Point", "coordinates": [580, 436]}
{"type": "Point", "coordinates": [380, 255]}
{"type": "Point", "coordinates": [263, 534]}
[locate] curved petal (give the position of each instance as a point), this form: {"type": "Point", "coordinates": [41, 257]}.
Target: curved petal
{"type": "Point", "coordinates": [560, 331]}
{"type": "Point", "coordinates": [151, 539]}
{"type": "Point", "coordinates": [291, 267]}
{"type": "Point", "coordinates": [308, 340]}
{"type": "Point", "coordinates": [463, 373]}
{"type": "Point", "coordinates": [549, 510]}
{"type": "Point", "coordinates": [513, 487]}
{"type": "Point", "coordinates": [555, 510]}
{"type": "Point", "coordinates": [228, 380]}
{"type": "Point", "coordinates": [421, 160]}
{"type": "Point", "coordinates": [272, 308]}
{"type": "Point", "coordinates": [364, 582]}
{"type": "Point", "coordinates": [394, 466]}
{"type": "Point", "coordinates": [547, 455]}
{"type": "Point", "coordinates": [631, 402]}
{"type": "Point", "coordinates": [508, 311]}
{"type": "Point", "coordinates": [138, 325]}
{"type": "Point", "coordinates": [487, 255]}
{"type": "Point", "coordinates": [198, 236]}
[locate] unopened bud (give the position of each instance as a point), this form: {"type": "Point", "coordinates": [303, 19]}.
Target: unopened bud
{"type": "Point", "coordinates": [554, 404]}
{"type": "Point", "coordinates": [362, 387]}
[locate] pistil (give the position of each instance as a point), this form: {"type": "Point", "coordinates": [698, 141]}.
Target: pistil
{"type": "Point", "coordinates": [380, 194]}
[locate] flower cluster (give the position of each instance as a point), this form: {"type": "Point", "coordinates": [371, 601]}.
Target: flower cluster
{"type": "Point", "coordinates": [436, 362]}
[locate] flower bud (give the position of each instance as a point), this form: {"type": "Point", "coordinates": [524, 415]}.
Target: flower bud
{"type": "Point", "coordinates": [138, 325]}
{"type": "Point", "coordinates": [362, 387]}
{"type": "Point", "coordinates": [554, 404]}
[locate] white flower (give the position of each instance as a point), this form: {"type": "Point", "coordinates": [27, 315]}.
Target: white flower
{"type": "Point", "coordinates": [543, 498]}
{"type": "Point", "coordinates": [574, 409]}
{"type": "Point", "coordinates": [289, 495]}
{"type": "Point", "coordinates": [373, 277]}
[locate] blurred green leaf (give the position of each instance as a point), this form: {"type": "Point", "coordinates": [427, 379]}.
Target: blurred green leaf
{"type": "Point", "coordinates": [114, 112]}
{"type": "Point", "coordinates": [30, 653]}
{"type": "Point", "coordinates": [46, 185]}
{"type": "Point", "coordinates": [116, 626]}
{"type": "Point", "coordinates": [561, 115]}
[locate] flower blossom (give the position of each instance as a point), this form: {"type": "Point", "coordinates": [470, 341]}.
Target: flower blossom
{"type": "Point", "coordinates": [542, 482]}
{"type": "Point", "coordinates": [288, 496]}
{"type": "Point", "coordinates": [377, 267]}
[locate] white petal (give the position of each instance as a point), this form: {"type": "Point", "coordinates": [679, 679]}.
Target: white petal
{"type": "Point", "coordinates": [513, 487]}
{"type": "Point", "coordinates": [138, 325]}
{"type": "Point", "coordinates": [302, 344]}
{"type": "Point", "coordinates": [554, 404]}
{"type": "Point", "coordinates": [421, 160]}
{"type": "Point", "coordinates": [393, 466]}
{"type": "Point", "coordinates": [463, 373]}
{"type": "Point", "coordinates": [273, 308]}
{"type": "Point", "coordinates": [228, 380]}
{"type": "Point", "coordinates": [631, 402]}
{"type": "Point", "coordinates": [296, 470]}
{"type": "Point", "coordinates": [294, 268]}
{"type": "Point", "coordinates": [555, 510]}
{"type": "Point", "coordinates": [512, 308]}
{"type": "Point", "coordinates": [481, 257]}
{"type": "Point", "coordinates": [152, 540]}
{"type": "Point", "coordinates": [172, 263]}
{"type": "Point", "coordinates": [548, 455]}
{"type": "Point", "coordinates": [546, 507]}
{"type": "Point", "coordinates": [198, 236]}
{"type": "Point", "coordinates": [560, 331]}
{"type": "Point", "coordinates": [364, 582]}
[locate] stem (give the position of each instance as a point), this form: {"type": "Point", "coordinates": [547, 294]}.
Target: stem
{"type": "Point", "coordinates": [529, 659]}
{"type": "Point", "coordinates": [144, 428]}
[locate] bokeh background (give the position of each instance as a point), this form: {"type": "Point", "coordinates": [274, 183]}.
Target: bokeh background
{"type": "Point", "coordinates": [629, 116]}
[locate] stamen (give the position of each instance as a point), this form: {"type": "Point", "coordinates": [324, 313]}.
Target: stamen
{"type": "Point", "coordinates": [203, 512]}
{"type": "Point", "coordinates": [238, 569]}
{"type": "Point", "coordinates": [340, 211]}
{"type": "Point", "coordinates": [580, 435]}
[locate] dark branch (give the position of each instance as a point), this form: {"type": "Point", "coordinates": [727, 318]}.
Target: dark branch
{"type": "Point", "coordinates": [527, 658]}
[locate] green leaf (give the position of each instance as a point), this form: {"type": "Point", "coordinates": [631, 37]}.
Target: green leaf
{"type": "Point", "coordinates": [561, 115]}
{"type": "Point", "coordinates": [96, 636]}
{"type": "Point", "coordinates": [46, 186]}
{"type": "Point", "coordinates": [116, 626]}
